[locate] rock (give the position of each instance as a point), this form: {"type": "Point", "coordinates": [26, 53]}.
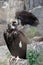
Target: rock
{"type": "Point", "coordinates": [4, 55]}
{"type": "Point", "coordinates": [19, 62]}
{"type": "Point", "coordinates": [2, 28]}
{"type": "Point", "coordinates": [36, 43]}
{"type": "Point", "coordinates": [35, 50]}
{"type": "Point", "coordinates": [36, 12]}
{"type": "Point", "coordinates": [37, 38]}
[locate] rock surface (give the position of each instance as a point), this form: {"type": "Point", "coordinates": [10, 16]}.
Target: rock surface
{"type": "Point", "coordinates": [19, 62]}
{"type": "Point", "coordinates": [4, 55]}
{"type": "Point", "coordinates": [38, 12]}
{"type": "Point", "coordinates": [5, 58]}
{"type": "Point", "coordinates": [36, 43]}
{"type": "Point", "coordinates": [2, 29]}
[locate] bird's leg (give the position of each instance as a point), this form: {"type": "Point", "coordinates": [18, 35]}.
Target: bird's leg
{"type": "Point", "coordinates": [17, 59]}
{"type": "Point", "coordinates": [12, 58]}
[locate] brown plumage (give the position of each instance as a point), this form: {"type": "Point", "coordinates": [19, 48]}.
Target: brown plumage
{"type": "Point", "coordinates": [13, 39]}
{"type": "Point", "coordinates": [27, 18]}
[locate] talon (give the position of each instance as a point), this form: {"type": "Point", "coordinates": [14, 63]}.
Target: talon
{"type": "Point", "coordinates": [12, 58]}
{"type": "Point", "coordinates": [17, 59]}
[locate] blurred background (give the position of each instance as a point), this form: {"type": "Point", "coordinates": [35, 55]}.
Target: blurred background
{"type": "Point", "coordinates": [8, 8]}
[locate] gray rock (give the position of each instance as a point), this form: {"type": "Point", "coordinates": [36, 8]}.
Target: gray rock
{"type": "Point", "coordinates": [36, 44]}
{"type": "Point", "coordinates": [2, 29]}
{"type": "Point", "coordinates": [38, 12]}
{"type": "Point", "coordinates": [19, 62]}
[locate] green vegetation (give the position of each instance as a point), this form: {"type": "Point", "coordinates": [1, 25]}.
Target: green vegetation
{"type": "Point", "coordinates": [40, 58]}
{"type": "Point", "coordinates": [32, 32]}
{"type": "Point", "coordinates": [3, 62]}
{"type": "Point", "coordinates": [8, 54]}
{"type": "Point", "coordinates": [32, 56]}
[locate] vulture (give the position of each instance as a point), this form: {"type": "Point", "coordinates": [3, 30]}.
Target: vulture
{"type": "Point", "coordinates": [27, 18]}
{"type": "Point", "coordinates": [16, 41]}
{"type": "Point", "coordinates": [15, 38]}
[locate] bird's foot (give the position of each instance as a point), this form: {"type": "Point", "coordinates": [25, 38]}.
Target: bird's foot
{"type": "Point", "coordinates": [17, 59]}
{"type": "Point", "coordinates": [12, 58]}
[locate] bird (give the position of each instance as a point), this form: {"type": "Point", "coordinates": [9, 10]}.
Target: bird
{"type": "Point", "coordinates": [16, 41]}
{"type": "Point", "coordinates": [15, 38]}
{"type": "Point", "coordinates": [26, 18]}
